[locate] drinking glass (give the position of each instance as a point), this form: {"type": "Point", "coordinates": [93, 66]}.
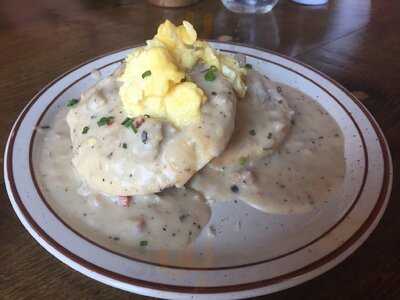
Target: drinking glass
{"type": "Point", "coordinates": [250, 6]}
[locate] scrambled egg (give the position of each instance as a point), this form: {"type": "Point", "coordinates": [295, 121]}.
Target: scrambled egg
{"type": "Point", "coordinates": [153, 81]}
{"type": "Point", "coordinates": [183, 103]}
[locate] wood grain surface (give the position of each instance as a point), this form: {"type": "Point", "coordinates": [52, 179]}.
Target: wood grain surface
{"type": "Point", "coordinates": [356, 42]}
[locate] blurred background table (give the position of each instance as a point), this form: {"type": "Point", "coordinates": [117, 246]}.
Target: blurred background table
{"type": "Point", "coordinates": [356, 42]}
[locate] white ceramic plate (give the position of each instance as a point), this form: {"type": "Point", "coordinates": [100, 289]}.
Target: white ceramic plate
{"type": "Point", "coordinates": [241, 264]}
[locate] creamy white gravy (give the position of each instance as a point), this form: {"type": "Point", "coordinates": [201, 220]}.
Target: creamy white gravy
{"type": "Point", "coordinates": [168, 220]}
{"type": "Point", "coordinates": [297, 178]}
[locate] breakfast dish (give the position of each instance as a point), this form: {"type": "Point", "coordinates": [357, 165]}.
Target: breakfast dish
{"type": "Point", "coordinates": [190, 168]}
{"type": "Point", "coordinates": [115, 160]}
{"type": "Point", "coordinates": [172, 121]}
{"type": "Point", "coordinates": [167, 116]}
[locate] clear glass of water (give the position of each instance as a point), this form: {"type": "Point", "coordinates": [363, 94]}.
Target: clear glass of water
{"type": "Point", "coordinates": [250, 6]}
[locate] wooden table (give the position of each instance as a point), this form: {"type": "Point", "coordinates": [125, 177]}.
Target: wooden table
{"type": "Point", "coordinates": [356, 42]}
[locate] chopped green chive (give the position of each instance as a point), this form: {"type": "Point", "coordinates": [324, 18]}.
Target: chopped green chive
{"type": "Point", "coordinates": [72, 102]}
{"type": "Point", "coordinates": [105, 121]}
{"type": "Point", "coordinates": [143, 243]}
{"type": "Point", "coordinates": [85, 129]}
{"type": "Point", "coordinates": [145, 74]}
{"type": "Point", "coordinates": [248, 66]}
{"type": "Point", "coordinates": [210, 76]}
{"type": "Point", "coordinates": [128, 123]}
{"type": "Point", "coordinates": [242, 161]}
{"type": "Point", "coordinates": [124, 145]}
{"type": "Point", "coordinates": [252, 132]}
{"type": "Point", "coordinates": [211, 73]}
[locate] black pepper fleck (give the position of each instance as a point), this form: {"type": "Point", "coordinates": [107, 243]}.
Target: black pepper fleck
{"type": "Point", "coordinates": [235, 188]}
{"type": "Point", "coordinates": [183, 217]}
{"type": "Point", "coordinates": [144, 136]}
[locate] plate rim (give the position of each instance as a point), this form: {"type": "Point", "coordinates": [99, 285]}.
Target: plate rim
{"type": "Point", "coordinates": [366, 227]}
